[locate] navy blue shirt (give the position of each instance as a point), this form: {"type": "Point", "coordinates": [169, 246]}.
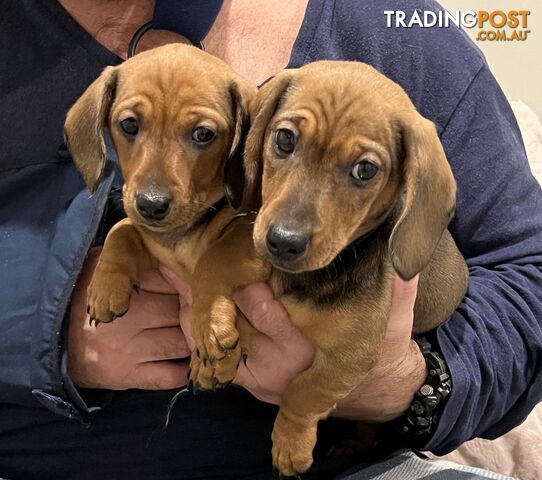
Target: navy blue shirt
{"type": "Point", "coordinates": [492, 343]}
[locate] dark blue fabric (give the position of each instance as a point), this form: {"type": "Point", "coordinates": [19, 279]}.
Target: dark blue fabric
{"type": "Point", "coordinates": [191, 18]}
{"type": "Point", "coordinates": [45, 65]}
{"type": "Point", "coordinates": [493, 343]}
{"type": "Point", "coordinates": [48, 220]}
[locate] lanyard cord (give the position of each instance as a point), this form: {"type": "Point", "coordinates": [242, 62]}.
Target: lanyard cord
{"type": "Point", "coordinates": [132, 46]}
{"type": "Point", "coordinates": [191, 18]}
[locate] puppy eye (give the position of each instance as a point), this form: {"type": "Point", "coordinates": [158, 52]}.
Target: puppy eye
{"type": "Point", "coordinates": [130, 126]}
{"type": "Point", "coordinates": [285, 141]}
{"type": "Point", "coordinates": [202, 135]}
{"type": "Point", "coordinates": [364, 171]}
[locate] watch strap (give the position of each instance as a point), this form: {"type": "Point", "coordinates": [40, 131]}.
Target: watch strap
{"type": "Point", "coordinates": [420, 421]}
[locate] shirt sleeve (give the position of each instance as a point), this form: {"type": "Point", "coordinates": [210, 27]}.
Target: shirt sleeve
{"type": "Point", "coordinates": [493, 342]}
{"type": "Point", "coordinates": [49, 221]}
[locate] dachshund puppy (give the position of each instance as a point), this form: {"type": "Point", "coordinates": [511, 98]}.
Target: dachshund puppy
{"type": "Point", "coordinates": [177, 117]}
{"type": "Point", "coordinates": [354, 187]}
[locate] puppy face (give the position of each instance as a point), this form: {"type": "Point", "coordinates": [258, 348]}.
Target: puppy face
{"type": "Point", "coordinates": [175, 115]}
{"type": "Point", "coordinates": [340, 149]}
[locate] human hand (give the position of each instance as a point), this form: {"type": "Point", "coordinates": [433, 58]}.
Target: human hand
{"type": "Point", "coordinates": [144, 349]}
{"type": "Point", "coordinates": [279, 351]}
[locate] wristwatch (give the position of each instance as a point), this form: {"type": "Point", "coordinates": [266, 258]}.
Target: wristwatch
{"type": "Point", "coordinates": [419, 422]}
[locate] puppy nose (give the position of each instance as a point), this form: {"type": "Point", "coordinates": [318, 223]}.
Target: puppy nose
{"type": "Point", "coordinates": [152, 206]}
{"type": "Point", "coordinates": [286, 244]}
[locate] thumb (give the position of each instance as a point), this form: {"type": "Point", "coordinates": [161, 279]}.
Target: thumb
{"type": "Point", "coordinates": [264, 312]}
{"type": "Point", "coordinates": [401, 317]}
{"type": "Point", "coordinates": [182, 288]}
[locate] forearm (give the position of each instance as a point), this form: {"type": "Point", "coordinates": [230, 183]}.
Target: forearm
{"type": "Point", "coordinates": [493, 348]}
{"type": "Point", "coordinates": [493, 342]}
{"type": "Point", "coordinates": [387, 391]}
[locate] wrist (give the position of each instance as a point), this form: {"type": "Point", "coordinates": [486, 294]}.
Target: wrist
{"type": "Point", "coordinates": [420, 421]}
{"type": "Point", "coordinates": [387, 391]}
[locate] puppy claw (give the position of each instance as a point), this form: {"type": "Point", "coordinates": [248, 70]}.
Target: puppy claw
{"type": "Point", "coordinates": [212, 374]}
{"type": "Point", "coordinates": [195, 388]}
{"type": "Point", "coordinates": [95, 320]}
{"type": "Point", "coordinates": [228, 350]}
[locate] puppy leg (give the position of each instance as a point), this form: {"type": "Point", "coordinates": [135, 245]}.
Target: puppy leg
{"type": "Point", "coordinates": [123, 258]}
{"type": "Point", "coordinates": [337, 369]}
{"type": "Point", "coordinates": [230, 265]}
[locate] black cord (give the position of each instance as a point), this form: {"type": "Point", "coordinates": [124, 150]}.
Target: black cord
{"type": "Point", "coordinates": [132, 46]}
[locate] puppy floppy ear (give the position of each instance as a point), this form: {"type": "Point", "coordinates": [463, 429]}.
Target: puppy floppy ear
{"type": "Point", "coordinates": [83, 128]}
{"type": "Point", "coordinates": [262, 108]}
{"type": "Point", "coordinates": [428, 197]}
{"type": "Point", "coordinates": [234, 173]}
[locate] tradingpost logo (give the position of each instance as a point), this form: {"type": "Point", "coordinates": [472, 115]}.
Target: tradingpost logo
{"type": "Point", "coordinates": [492, 26]}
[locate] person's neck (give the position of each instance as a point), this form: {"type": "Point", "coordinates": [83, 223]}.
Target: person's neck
{"type": "Point", "coordinates": [114, 23]}
{"type": "Point", "coordinates": [254, 37]}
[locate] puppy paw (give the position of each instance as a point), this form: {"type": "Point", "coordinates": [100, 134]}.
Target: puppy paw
{"type": "Point", "coordinates": [215, 359]}
{"type": "Point", "coordinates": [108, 296]}
{"type": "Point", "coordinates": [293, 444]}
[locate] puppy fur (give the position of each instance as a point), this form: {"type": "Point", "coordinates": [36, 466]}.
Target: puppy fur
{"type": "Point", "coordinates": [170, 92]}
{"type": "Point", "coordinates": [357, 233]}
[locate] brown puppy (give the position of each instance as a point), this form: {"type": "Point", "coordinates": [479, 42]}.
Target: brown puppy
{"type": "Point", "coordinates": [177, 117]}
{"type": "Point", "coordinates": [355, 186]}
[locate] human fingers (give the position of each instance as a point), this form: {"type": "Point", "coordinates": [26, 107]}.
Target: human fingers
{"type": "Point", "coordinates": [151, 310]}
{"type": "Point", "coordinates": [401, 318]}
{"type": "Point", "coordinates": [266, 314]}
{"type": "Point", "coordinates": [164, 375]}
{"type": "Point", "coordinates": [155, 344]}
{"type": "Point", "coordinates": [181, 287]}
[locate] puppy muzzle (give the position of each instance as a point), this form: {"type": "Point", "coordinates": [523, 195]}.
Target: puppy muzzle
{"type": "Point", "coordinates": [286, 245]}
{"type": "Point", "coordinates": [153, 206]}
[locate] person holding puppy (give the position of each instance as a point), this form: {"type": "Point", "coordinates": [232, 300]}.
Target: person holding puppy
{"type": "Point", "coordinates": [50, 357]}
